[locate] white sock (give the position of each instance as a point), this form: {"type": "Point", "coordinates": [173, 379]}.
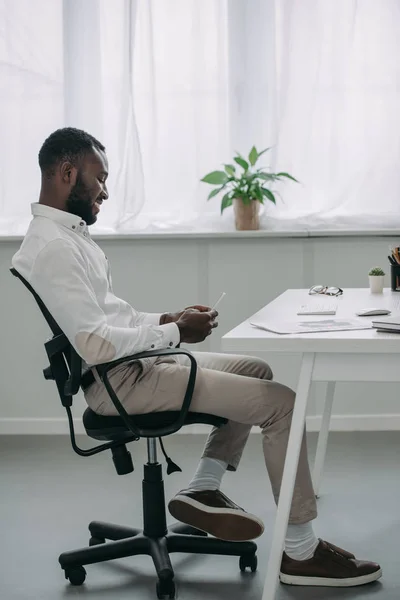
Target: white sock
{"type": "Point", "coordinates": [208, 475]}
{"type": "Point", "coordinates": [300, 542]}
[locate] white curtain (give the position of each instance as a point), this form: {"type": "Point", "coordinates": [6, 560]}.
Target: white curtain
{"type": "Point", "coordinates": [181, 97]}
{"type": "Point", "coordinates": [174, 87]}
{"type": "Point", "coordinates": [31, 100]}
{"type": "Point", "coordinates": [337, 119]}
{"type": "Point", "coordinates": [67, 63]}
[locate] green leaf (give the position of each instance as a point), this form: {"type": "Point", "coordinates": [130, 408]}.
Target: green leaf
{"type": "Point", "coordinates": [240, 161]}
{"type": "Point", "coordinates": [263, 151]}
{"type": "Point", "coordinates": [253, 156]}
{"type": "Point", "coordinates": [226, 201]}
{"type": "Point", "coordinates": [288, 176]}
{"type": "Point", "coordinates": [215, 178]}
{"type": "Point", "coordinates": [268, 194]}
{"type": "Point", "coordinates": [266, 176]}
{"type": "Point", "coordinates": [214, 193]}
{"type": "Point", "coordinates": [230, 170]}
{"type": "Point", "coordinates": [255, 192]}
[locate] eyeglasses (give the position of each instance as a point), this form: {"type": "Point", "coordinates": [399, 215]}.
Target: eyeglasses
{"type": "Point", "coordinates": [325, 290]}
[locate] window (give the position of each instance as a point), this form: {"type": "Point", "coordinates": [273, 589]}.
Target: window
{"type": "Point", "coordinates": [173, 88]}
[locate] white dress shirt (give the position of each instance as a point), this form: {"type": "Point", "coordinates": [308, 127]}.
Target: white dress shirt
{"type": "Point", "coordinates": [71, 274]}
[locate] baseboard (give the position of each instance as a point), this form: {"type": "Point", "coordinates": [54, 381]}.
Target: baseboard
{"type": "Point", "coordinates": [56, 426]}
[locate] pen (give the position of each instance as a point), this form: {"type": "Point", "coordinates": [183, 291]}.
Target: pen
{"type": "Point", "coordinates": [219, 300]}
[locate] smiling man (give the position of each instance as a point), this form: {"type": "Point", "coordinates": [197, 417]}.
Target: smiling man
{"type": "Point", "coordinates": [82, 173]}
{"type": "Point", "coordinates": [71, 274]}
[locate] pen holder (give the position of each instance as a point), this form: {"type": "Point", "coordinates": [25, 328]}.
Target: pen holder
{"type": "Point", "coordinates": [395, 277]}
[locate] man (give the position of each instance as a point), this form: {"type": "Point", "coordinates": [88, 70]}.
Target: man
{"type": "Point", "coordinates": [71, 275]}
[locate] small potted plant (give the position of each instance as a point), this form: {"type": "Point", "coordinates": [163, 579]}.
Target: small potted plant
{"type": "Point", "coordinates": [376, 280]}
{"type": "Point", "coordinates": [245, 187]}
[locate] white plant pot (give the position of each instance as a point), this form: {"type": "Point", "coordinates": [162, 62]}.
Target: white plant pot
{"type": "Point", "coordinates": [376, 283]}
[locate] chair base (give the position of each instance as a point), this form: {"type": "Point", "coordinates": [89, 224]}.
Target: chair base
{"type": "Point", "coordinates": [131, 542]}
{"type": "Point", "coordinates": [155, 540]}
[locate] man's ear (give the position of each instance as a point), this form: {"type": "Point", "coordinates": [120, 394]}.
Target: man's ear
{"type": "Point", "coordinates": [68, 173]}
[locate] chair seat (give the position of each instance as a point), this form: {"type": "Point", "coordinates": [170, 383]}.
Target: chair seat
{"type": "Point", "coordinates": [100, 427]}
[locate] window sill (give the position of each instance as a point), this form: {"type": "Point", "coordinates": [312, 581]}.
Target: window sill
{"type": "Point", "coordinates": [192, 235]}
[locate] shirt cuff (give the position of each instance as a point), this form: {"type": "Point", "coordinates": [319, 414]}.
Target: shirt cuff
{"type": "Point", "coordinates": [152, 319]}
{"type": "Point", "coordinates": [172, 334]}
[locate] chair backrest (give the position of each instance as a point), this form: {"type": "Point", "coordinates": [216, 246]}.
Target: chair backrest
{"type": "Point", "coordinates": [65, 364]}
{"type": "Point", "coordinates": [56, 330]}
{"type": "Point", "coordinates": [66, 370]}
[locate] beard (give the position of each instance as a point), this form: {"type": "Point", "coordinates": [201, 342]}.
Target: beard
{"type": "Point", "coordinates": [80, 202]}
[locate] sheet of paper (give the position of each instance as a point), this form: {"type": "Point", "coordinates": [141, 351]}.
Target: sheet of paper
{"type": "Point", "coordinates": [288, 327]}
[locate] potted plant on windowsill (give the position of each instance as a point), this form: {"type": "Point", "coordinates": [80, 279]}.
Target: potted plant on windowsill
{"type": "Point", "coordinates": [376, 280]}
{"type": "Point", "coordinates": [246, 188]}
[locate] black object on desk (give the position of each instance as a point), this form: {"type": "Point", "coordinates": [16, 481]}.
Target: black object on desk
{"type": "Point", "coordinates": [395, 277]}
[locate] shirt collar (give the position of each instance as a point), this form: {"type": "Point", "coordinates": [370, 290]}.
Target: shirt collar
{"type": "Point", "coordinates": [59, 216]}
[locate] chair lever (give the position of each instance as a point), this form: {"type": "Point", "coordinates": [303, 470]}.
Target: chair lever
{"type": "Point", "coordinates": [171, 466]}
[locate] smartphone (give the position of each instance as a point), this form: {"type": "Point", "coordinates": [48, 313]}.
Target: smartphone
{"type": "Point", "coordinates": [218, 301]}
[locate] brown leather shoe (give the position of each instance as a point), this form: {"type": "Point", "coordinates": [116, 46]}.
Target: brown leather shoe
{"type": "Point", "coordinates": [331, 567]}
{"type": "Point", "coordinates": [213, 512]}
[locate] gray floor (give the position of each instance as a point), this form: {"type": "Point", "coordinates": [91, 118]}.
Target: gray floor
{"type": "Point", "coordinates": [48, 496]}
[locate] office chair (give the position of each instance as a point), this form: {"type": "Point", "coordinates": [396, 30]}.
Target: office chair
{"type": "Point", "coordinates": [155, 540]}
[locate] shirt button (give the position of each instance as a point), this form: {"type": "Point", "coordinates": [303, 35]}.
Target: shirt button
{"type": "Point", "coordinates": [81, 223]}
{"type": "Point", "coordinates": [171, 343]}
{"type": "Point", "coordinates": [152, 345]}
{"type": "Point", "coordinates": [73, 226]}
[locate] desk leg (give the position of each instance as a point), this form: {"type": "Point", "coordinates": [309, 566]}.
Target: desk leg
{"type": "Point", "coordinates": [289, 477]}
{"type": "Point", "coordinates": [323, 437]}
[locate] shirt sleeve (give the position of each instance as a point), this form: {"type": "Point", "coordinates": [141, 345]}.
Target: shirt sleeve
{"type": "Point", "coordinates": [149, 318]}
{"type": "Point", "coordinates": [59, 276]}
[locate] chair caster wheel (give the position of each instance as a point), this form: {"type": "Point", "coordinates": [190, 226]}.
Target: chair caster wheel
{"type": "Point", "coordinates": [248, 561]}
{"type": "Point", "coordinates": [75, 575]}
{"type": "Point", "coordinates": [166, 589]}
{"type": "Point", "coordinates": [94, 541]}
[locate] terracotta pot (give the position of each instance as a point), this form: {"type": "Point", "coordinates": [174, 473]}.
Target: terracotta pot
{"type": "Point", "coordinates": [246, 215]}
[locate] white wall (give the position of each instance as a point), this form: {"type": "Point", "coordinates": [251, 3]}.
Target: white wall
{"type": "Point", "coordinates": [162, 274]}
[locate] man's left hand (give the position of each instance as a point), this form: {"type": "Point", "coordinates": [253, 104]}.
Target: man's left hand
{"type": "Point", "coordinates": [174, 317]}
{"type": "Point", "coordinates": [199, 307]}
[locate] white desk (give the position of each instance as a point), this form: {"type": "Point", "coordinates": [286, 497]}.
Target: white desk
{"type": "Point", "coordinates": [363, 355]}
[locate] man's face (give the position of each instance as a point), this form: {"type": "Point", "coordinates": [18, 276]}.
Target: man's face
{"type": "Point", "coordinates": [89, 191]}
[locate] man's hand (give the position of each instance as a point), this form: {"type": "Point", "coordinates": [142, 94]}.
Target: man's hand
{"type": "Point", "coordinates": [174, 317]}
{"type": "Point", "coordinates": [199, 307]}
{"type": "Point", "coordinates": [195, 326]}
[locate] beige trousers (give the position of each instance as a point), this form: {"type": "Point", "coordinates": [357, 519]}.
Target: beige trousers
{"type": "Point", "coordinates": [238, 388]}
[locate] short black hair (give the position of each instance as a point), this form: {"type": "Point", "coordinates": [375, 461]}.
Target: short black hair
{"type": "Point", "coordinates": [66, 144]}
